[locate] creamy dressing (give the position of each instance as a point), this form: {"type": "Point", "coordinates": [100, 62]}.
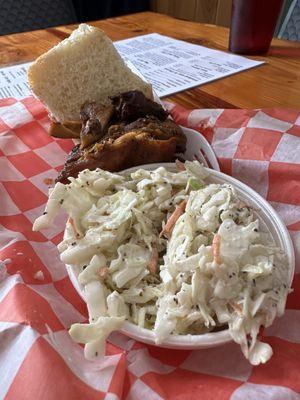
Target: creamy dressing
{"type": "Point", "coordinates": [170, 253]}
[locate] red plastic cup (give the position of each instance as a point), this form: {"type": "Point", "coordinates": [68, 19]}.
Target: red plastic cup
{"type": "Point", "coordinates": [252, 25]}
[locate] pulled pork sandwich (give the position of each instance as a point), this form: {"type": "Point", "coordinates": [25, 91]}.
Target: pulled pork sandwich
{"type": "Point", "coordinates": [92, 96]}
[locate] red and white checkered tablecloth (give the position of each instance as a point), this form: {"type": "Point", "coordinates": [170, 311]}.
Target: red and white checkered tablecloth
{"type": "Point", "coordinates": [38, 359]}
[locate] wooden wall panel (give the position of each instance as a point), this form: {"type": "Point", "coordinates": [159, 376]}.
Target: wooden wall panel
{"type": "Point", "coordinates": [208, 11]}
{"type": "Point", "coordinates": [184, 9]}
{"type": "Point", "coordinates": [223, 14]}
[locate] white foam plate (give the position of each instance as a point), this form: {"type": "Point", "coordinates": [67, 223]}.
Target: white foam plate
{"type": "Point", "coordinates": [269, 222]}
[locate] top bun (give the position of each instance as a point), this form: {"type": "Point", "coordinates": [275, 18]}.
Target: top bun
{"type": "Point", "coordinates": [84, 67]}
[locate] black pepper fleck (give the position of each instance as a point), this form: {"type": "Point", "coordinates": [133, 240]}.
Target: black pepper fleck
{"type": "Point", "coordinates": [73, 244]}
{"type": "Point", "coordinates": [61, 201]}
{"type": "Point", "coordinates": [45, 212]}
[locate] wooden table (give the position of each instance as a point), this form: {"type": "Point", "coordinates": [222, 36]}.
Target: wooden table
{"type": "Point", "coordinates": [274, 84]}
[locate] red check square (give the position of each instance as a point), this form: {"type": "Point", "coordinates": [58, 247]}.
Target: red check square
{"type": "Point", "coordinates": [283, 368]}
{"type": "Point", "coordinates": [257, 144]}
{"type": "Point", "coordinates": [20, 224]}
{"type": "Point", "coordinates": [187, 385]}
{"type": "Point", "coordinates": [168, 356]}
{"type": "Point", "coordinates": [25, 195]}
{"type": "Point", "coordinates": [29, 164]}
{"type": "Point", "coordinates": [3, 126]}
{"type": "Point", "coordinates": [57, 238]}
{"type": "Point", "coordinates": [117, 385]}
{"type": "Point", "coordinates": [66, 289]}
{"type": "Point", "coordinates": [26, 262]}
{"type": "Point", "coordinates": [35, 107]}
{"type": "Point", "coordinates": [33, 135]}
{"type": "Point", "coordinates": [234, 118]}
{"type": "Point", "coordinates": [225, 165]}
{"type": "Point", "coordinates": [180, 115]}
{"type": "Point", "coordinates": [38, 316]}
{"type": "Point", "coordinates": [9, 101]}
{"type": "Point", "coordinates": [58, 383]}
{"type": "Point", "coordinates": [65, 144]}
{"type": "Point", "coordinates": [7, 206]}
{"type": "Point", "coordinates": [284, 183]}
{"type": "Point", "coordinates": [284, 114]}
{"type": "Point", "coordinates": [294, 130]}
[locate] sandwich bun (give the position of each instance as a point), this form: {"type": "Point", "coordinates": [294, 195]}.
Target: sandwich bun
{"type": "Point", "coordinates": [84, 67]}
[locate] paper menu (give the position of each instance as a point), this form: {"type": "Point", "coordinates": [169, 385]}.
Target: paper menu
{"type": "Point", "coordinates": [13, 81]}
{"type": "Point", "coordinates": [170, 65]}
{"type": "Point", "coordinates": [174, 65]}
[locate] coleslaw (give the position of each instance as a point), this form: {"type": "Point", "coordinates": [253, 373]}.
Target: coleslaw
{"type": "Point", "coordinates": [170, 252]}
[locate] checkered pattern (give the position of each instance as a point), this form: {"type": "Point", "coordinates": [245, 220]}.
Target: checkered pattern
{"type": "Point", "coordinates": [38, 358]}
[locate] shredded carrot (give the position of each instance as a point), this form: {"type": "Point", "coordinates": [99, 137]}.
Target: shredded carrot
{"type": "Point", "coordinates": [180, 165]}
{"type": "Point", "coordinates": [216, 248]}
{"type": "Point", "coordinates": [179, 210]}
{"type": "Point", "coordinates": [237, 307]}
{"type": "Point", "coordinates": [103, 272]}
{"type": "Point", "coordinates": [77, 233]}
{"type": "Point", "coordinates": [153, 262]}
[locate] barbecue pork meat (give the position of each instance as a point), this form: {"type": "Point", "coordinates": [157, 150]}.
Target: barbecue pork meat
{"type": "Point", "coordinates": [133, 131]}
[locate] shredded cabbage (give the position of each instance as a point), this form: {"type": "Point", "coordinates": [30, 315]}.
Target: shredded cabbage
{"type": "Point", "coordinates": [168, 252]}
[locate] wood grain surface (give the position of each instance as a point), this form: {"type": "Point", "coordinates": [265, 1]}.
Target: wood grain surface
{"type": "Point", "coordinates": [274, 84]}
{"type": "Point", "coordinates": [192, 10]}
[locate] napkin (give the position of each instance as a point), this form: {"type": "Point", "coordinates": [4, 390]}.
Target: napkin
{"type": "Point", "coordinates": [38, 303]}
